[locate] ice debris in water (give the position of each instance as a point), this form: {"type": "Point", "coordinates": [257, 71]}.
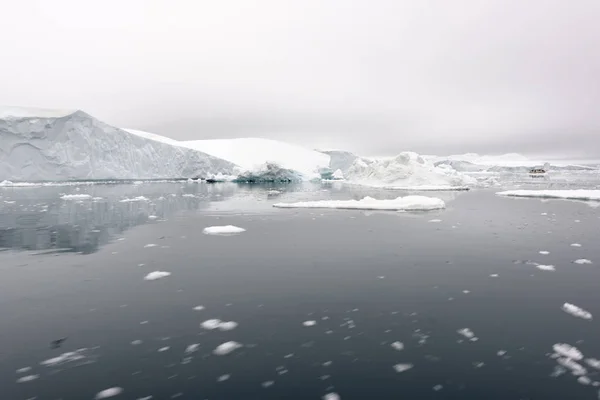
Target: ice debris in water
{"type": "Point", "coordinates": [267, 384]}
{"type": "Point", "coordinates": [544, 252]}
{"type": "Point", "coordinates": [500, 353]}
{"type": "Point", "coordinates": [149, 245]}
{"type": "Point", "coordinates": [75, 197]}
{"type": "Point", "coordinates": [466, 332]}
{"type": "Point", "coordinates": [226, 348]}
{"type": "Point", "coordinates": [198, 308]}
{"type": "Point", "coordinates": [575, 245]}
{"type": "Point", "coordinates": [27, 378]}
{"type": "Point", "coordinates": [223, 230]}
{"type": "Point", "coordinates": [568, 351]}
{"type": "Point", "coordinates": [584, 380]}
{"type": "Point", "coordinates": [136, 342]}
{"type": "Point", "coordinates": [408, 203]}
{"type": "Point", "coordinates": [331, 396]}
{"type": "Point", "coordinates": [582, 261]}
{"type": "Point", "coordinates": [437, 388]}
{"type": "Point", "coordinates": [139, 198]}
{"type": "Point", "coordinates": [542, 267]}
{"type": "Point", "coordinates": [111, 392]}
{"type": "Point", "coordinates": [493, 275]}
{"type": "Point", "coordinates": [592, 362]}
{"type": "Point", "coordinates": [23, 370]}
{"type": "Point", "coordinates": [576, 311]}
{"type": "Point", "coordinates": [152, 276]}
{"type": "Point", "coordinates": [575, 368]}
{"type": "Point", "coordinates": [402, 367]}
{"type": "Point", "coordinates": [65, 358]}
{"type": "Point", "coordinates": [163, 349]}
{"type": "Point", "coordinates": [223, 378]}
{"type": "Point", "coordinates": [192, 348]}
{"type": "Point", "coordinates": [309, 323]}
{"type": "Point", "coordinates": [398, 346]}
{"type": "Point", "coordinates": [212, 324]}
{"type": "Point", "coordinates": [435, 220]}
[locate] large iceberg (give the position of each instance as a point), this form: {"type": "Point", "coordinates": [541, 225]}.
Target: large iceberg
{"type": "Point", "coordinates": [70, 145]}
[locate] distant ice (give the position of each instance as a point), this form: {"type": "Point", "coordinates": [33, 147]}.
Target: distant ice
{"type": "Point", "coordinates": [575, 194]}
{"type": "Point", "coordinates": [212, 324]}
{"type": "Point", "coordinates": [139, 198]}
{"type": "Point", "coordinates": [407, 203]}
{"type": "Point", "coordinates": [435, 220]}
{"type": "Point", "coordinates": [150, 245]}
{"type": "Point", "coordinates": [403, 367]}
{"type": "Point", "coordinates": [331, 396]}
{"type": "Point", "coordinates": [398, 346]}
{"type": "Point", "coordinates": [75, 197]}
{"type": "Point", "coordinates": [568, 351]}
{"type": "Point", "coordinates": [584, 380]}
{"type": "Point", "coordinates": [228, 325]}
{"type": "Point", "coordinates": [493, 275]}
{"type": "Point", "coordinates": [226, 348]}
{"type": "Point", "coordinates": [267, 384]}
{"type": "Point", "coordinates": [544, 252]}
{"type": "Point", "coordinates": [136, 342]}
{"type": "Point", "coordinates": [27, 378]}
{"type": "Point", "coordinates": [576, 311]}
{"type": "Point", "coordinates": [545, 267]}
{"type": "Point", "coordinates": [309, 323]}
{"type": "Point", "coordinates": [152, 276]}
{"type": "Point", "coordinates": [437, 388]}
{"type": "Point", "coordinates": [575, 245]}
{"type": "Point", "coordinates": [105, 394]}
{"type": "Point", "coordinates": [223, 230]}
{"type": "Point", "coordinates": [583, 261]}
{"type": "Point", "coordinates": [198, 308]}
{"type": "Point", "coordinates": [500, 353]}
{"type": "Point", "coordinates": [192, 348]}
{"type": "Point", "coordinates": [592, 362]}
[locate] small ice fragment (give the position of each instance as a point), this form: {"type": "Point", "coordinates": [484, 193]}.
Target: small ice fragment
{"type": "Point", "coordinates": [331, 396]}
{"type": "Point", "coordinates": [111, 392]}
{"type": "Point", "coordinates": [398, 346]}
{"type": "Point", "coordinates": [582, 261]}
{"type": "Point", "coordinates": [192, 348]}
{"type": "Point", "coordinates": [576, 368]}
{"type": "Point", "coordinates": [198, 308]}
{"type": "Point", "coordinates": [227, 326]}
{"type": "Point", "coordinates": [500, 353]}
{"type": "Point", "coordinates": [23, 370]}
{"type": "Point", "coordinates": [152, 276]}
{"type": "Point", "coordinates": [144, 322]}
{"type": "Point", "coordinates": [435, 220]}
{"type": "Point", "coordinates": [437, 388]}
{"type": "Point", "coordinates": [545, 267]}
{"type": "Point", "coordinates": [576, 311]}
{"type": "Point", "coordinates": [466, 332]}
{"type": "Point", "coordinates": [136, 342]}
{"type": "Point", "coordinates": [466, 291]}
{"type": "Point", "coordinates": [544, 214]}
{"type": "Point", "coordinates": [75, 197]}
{"type": "Point", "coordinates": [289, 355]}
{"type": "Point", "coordinates": [592, 362]}
{"type": "Point", "coordinates": [27, 378]}
{"type": "Point", "coordinates": [493, 275]}
{"type": "Point", "coordinates": [226, 348]}
{"type": "Point", "coordinates": [568, 351]}
{"type": "Point", "coordinates": [309, 323]}
{"type": "Point", "coordinates": [479, 364]}
{"type": "Point", "coordinates": [584, 380]}
{"type": "Point", "coordinates": [402, 367]}
{"type": "Point", "coordinates": [223, 378]}
{"type": "Point", "coordinates": [327, 363]}
{"type": "Point", "coordinates": [145, 398]}
{"type": "Point", "coordinates": [223, 230]}
{"type": "Point", "coordinates": [381, 277]}
{"type": "Point", "coordinates": [211, 324]}
{"type": "Point", "coordinates": [544, 252]}
{"type": "Point", "coordinates": [575, 245]}
{"type": "Point", "coordinates": [162, 349]}
{"type": "Point", "coordinates": [150, 245]}
{"type": "Point", "coordinates": [267, 384]}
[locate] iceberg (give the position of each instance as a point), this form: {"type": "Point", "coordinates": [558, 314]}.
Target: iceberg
{"type": "Point", "coordinates": [269, 172]}
{"type": "Point", "coordinates": [576, 311]}
{"type": "Point", "coordinates": [573, 194]}
{"type": "Point", "coordinates": [45, 145]}
{"type": "Point", "coordinates": [407, 203]}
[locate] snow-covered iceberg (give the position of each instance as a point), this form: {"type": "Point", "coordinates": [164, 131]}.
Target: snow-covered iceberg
{"type": "Point", "coordinates": [406, 171]}
{"type": "Point", "coordinates": [47, 145]}
{"type": "Point", "coordinates": [251, 153]}
{"type": "Point", "coordinates": [407, 203]}
{"type": "Point", "coordinates": [573, 194]}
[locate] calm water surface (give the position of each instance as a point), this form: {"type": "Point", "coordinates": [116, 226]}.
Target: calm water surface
{"type": "Point", "coordinates": [75, 270]}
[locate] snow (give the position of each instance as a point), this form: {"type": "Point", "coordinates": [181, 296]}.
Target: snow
{"type": "Point", "coordinates": [27, 378]}
{"type": "Point", "coordinates": [407, 203]}
{"type": "Point", "coordinates": [576, 311]}
{"type": "Point", "coordinates": [398, 346]}
{"type": "Point", "coordinates": [309, 323]}
{"type": "Point", "coordinates": [402, 367]}
{"type": "Point", "coordinates": [248, 153]}
{"type": "Point", "coordinates": [582, 261]}
{"type": "Point", "coordinates": [223, 230]}
{"type": "Point", "coordinates": [545, 267]}
{"type": "Point", "coordinates": [152, 276]}
{"type": "Point", "coordinates": [75, 197]}
{"type": "Point", "coordinates": [573, 194]}
{"type": "Point", "coordinates": [331, 396]}
{"type": "Point", "coordinates": [567, 351]}
{"type": "Point", "coordinates": [111, 392]}
{"type": "Point", "coordinates": [57, 146]}
{"type": "Point", "coordinates": [226, 348]}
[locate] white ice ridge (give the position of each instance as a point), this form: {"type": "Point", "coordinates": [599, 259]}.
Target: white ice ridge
{"type": "Point", "coordinates": [226, 348]}
{"type": "Point", "coordinates": [576, 311]}
{"type": "Point", "coordinates": [152, 276]}
{"type": "Point", "coordinates": [574, 194]}
{"type": "Point", "coordinates": [568, 351]}
{"type": "Point", "coordinates": [223, 230]}
{"type": "Point", "coordinates": [407, 203]}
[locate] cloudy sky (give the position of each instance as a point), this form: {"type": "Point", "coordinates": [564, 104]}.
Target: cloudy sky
{"type": "Point", "coordinates": [375, 76]}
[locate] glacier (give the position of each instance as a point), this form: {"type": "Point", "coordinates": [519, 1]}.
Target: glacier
{"type": "Point", "coordinates": [54, 145]}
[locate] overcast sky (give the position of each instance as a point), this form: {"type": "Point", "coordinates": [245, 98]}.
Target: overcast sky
{"type": "Point", "coordinates": [376, 77]}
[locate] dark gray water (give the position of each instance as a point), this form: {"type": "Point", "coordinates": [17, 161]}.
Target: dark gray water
{"type": "Point", "coordinates": [368, 279]}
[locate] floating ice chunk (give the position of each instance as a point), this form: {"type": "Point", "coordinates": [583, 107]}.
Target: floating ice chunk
{"type": "Point", "coordinates": [331, 396]}
{"type": "Point", "coordinates": [584, 380]}
{"type": "Point", "coordinates": [545, 267]}
{"type": "Point", "coordinates": [223, 230]}
{"type": "Point", "coordinates": [111, 392]}
{"type": "Point", "coordinates": [575, 245]}
{"type": "Point", "coordinates": [576, 368]}
{"type": "Point", "coordinates": [163, 349]}
{"type": "Point", "coordinates": [228, 325]}
{"type": "Point", "coordinates": [65, 358]}
{"type": "Point", "coordinates": [592, 362]}
{"type": "Point", "coordinates": [544, 252]}
{"type": "Point", "coordinates": [576, 194]}
{"type": "Point", "coordinates": [152, 217]}
{"type": "Point", "coordinates": [568, 351]}
{"type": "Point", "coordinates": [23, 370]}
{"type": "Point", "coordinates": [466, 332]}
{"type": "Point", "coordinates": [136, 342]}
{"type": "Point", "coordinates": [211, 324]}
{"type": "Point", "coordinates": [223, 378]}
{"type": "Point", "coordinates": [576, 311]}
{"type": "Point", "coordinates": [408, 203]}
{"type": "Point", "coordinates": [493, 275]}
{"type": "Point", "coordinates": [309, 323]}
{"type": "Point", "coordinates": [226, 348]}
{"type": "Point", "coordinates": [582, 261]}
{"type": "Point", "coordinates": [267, 384]}
{"type": "Point", "coordinates": [437, 388]}
{"type": "Point", "coordinates": [152, 276]}
{"type": "Point", "coordinates": [403, 367]}
{"type": "Point", "coordinates": [398, 346]}
{"type": "Point", "coordinates": [435, 220]}
{"type": "Point", "coordinates": [192, 348]}
{"type": "Point", "coordinates": [75, 197]}
{"type": "Point", "coordinates": [150, 245]}
{"type": "Point", "coordinates": [500, 353]}
{"type": "Point", "coordinates": [27, 378]}
{"type": "Point", "coordinates": [139, 198]}
{"type": "Point", "coordinates": [198, 308]}
{"type": "Point", "coordinates": [466, 291]}
{"type": "Point", "coordinates": [327, 363]}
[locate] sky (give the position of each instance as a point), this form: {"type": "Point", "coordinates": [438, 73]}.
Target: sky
{"type": "Point", "coordinates": [375, 77]}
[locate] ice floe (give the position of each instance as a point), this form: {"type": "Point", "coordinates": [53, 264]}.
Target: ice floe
{"type": "Point", "coordinates": [592, 362]}
{"type": "Point", "coordinates": [64, 358]}
{"type": "Point", "coordinates": [136, 342]}
{"type": "Point", "coordinates": [27, 378]}
{"type": "Point", "coordinates": [567, 351]}
{"type": "Point", "coordinates": [466, 332]}
{"type": "Point", "coordinates": [582, 261]}
{"type": "Point", "coordinates": [398, 346]}
{"type": "Point", "coordinates": [331, 396]}
{"type": "Point", "coordinates": [23, 370]}
{"type": "Point", "coordinates": [139, 198]}
{"type": "Point", "coordinates": [152, 276]}
{"type": "Point", "coordinates": [309, 323]}
{"type": "Point", "coordinates": [575, 194]}
{"type": "Point", "coordinates": [111, 392]}
{"type": "Point", "coordinates": [575, 245]}
{"type": "Point", "coordinates": [223, 230]}
{"type": "Point", "coordinates": [212, 324]}
{"type": "Point", "coordinates": [576, 311]}
{"type": "Point", "coordinates": [192, 348]}
{"type": "Point", "coordinates": [575, 368]}
{"type": "Point", "coordinates": [407, 203]}
{"type": "Point", "coordinates": [163, 349]}
{"type": "Point", "coordinates": [545, 267]}
{"type": "Point", "coordinates": [198, 308]}
{"type": "Point", "coordinates": [544, 252]}
{"type": "Point", "coordinates": [75, 197]}
{"type": "Point", "coordinates": [226, 348]}
{"type": "Point", "coordinates": [223, 378]}
{"type": "Point", "coordinates": [403, 367]}
{"type": "Point", "coordinates": [267, 384]}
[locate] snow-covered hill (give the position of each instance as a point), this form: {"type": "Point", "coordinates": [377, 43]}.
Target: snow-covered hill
{"type": "Point", "coordinates": [254, 153]}
{"type": "Point", "coordinates": [64, 145]}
